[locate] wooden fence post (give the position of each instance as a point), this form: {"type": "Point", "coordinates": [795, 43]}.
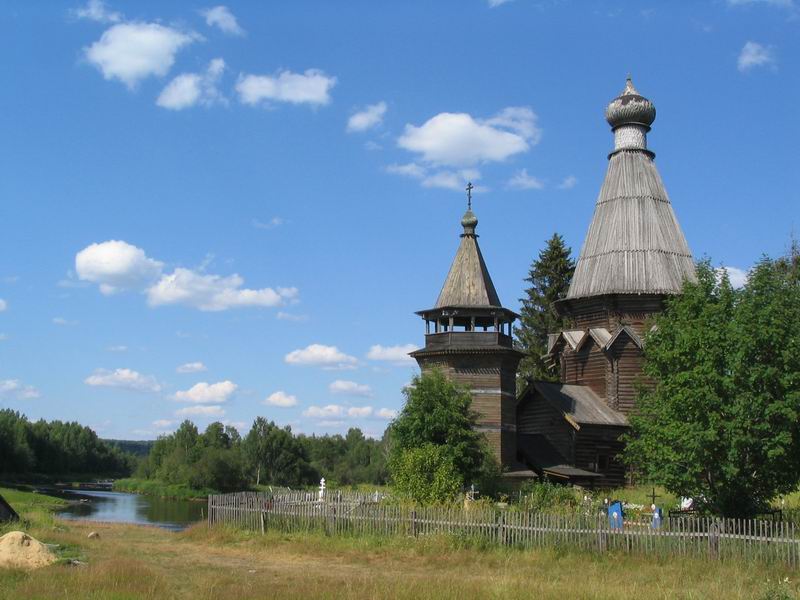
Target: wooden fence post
{"type": "Point", "coordinates": [602, 536]}
{"type": "Point", "coordinates": [713, 541]}
{"type": "Point", "coordinates": [414, 522]}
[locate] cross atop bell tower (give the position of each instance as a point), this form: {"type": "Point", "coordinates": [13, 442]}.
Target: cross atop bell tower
{"type": "Point", "coordinates": [468, 337]}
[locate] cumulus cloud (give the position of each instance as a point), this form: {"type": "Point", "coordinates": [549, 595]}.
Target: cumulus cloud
{"type": "Point", "coordinates": [207, 393]}
{"type": "Point", "coordinates": [522, 181]}
{"type": "Point", "coordinates": [117, 348]}
{"type": "Point", "coordinates": [96, 10]}
{"type": "Point", "coordinates": [116, 265]}
{"type": "Point", "coordinates": [163, 424]}
{"type": "Point", "coordinates": [15, 389]}
{"type": "Point", "coordinates": [737, 276]}
{"type": "Point", "coordinates": [460, 140]}
{"type": "Point", "coordinates": [777, 3]}
{"type": "Point", "coordinates": [496, 3]}
{"type": "Point", "coordinates": [281, 399]}
{"type": "Point", "coordinates": [569, 182]}
{"type": "Point", "coordinates": [191, 367]}
{"type": "Point", "coordinates": [311, 87]}
{"type": "Point", "coordinates": [755, 55]}
{"type": "Point", "coordinates": [200, 411]}
{"type": "Point", "coordinates": [350, 388]}
{"type": "Point", "coordinates": [213, 292]}
{"type": "Point", "coordinates": [285, 316]}
{"type": "Point", "coordinates": [359, 412]}
{"type": "Point", "coordinates": [324, 412]}
{"type": "Point", "coordinates": [369, 117]}
{"type": "Point", "coordinates": [127, 379]}
{"type": "Point", "coordinates": [446, 179]}
{"type": "Point", "coordinates": [386, 413]}
{"type": "Point", "coordinates": [190, 89]}
{"type": "Point", "coordinates": [61, 321]}
{"type": "Point", "coordinates": [3, 305]}
{"type": "Point", "coordinates": [319, 355]}
{"type": "Point", "coordinates": [393, 354]}
{"type": "Point", "coordinates": [222, 18]}
{"type": "Point", "coordinates": [131, 52]}
{"type": "Point", "coordinates": [271, 224]}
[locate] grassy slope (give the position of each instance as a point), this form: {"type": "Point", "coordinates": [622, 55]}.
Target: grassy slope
{"type": "Point", "coordinates": [142, 562]}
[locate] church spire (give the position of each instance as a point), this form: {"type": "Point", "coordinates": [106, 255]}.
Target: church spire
{"type": "Point", "coordinates": [634, 244]}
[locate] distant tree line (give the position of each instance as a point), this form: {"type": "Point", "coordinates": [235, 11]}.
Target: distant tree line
{"type": "Point", "coordinates": [220, 459]}
{"type": "Point", "coordinates": [56, 448]}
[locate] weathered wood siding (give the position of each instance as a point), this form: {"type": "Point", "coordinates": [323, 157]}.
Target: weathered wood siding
{"type": "Point", "coordinates": [594, 440]}
{"type": "Point", "coordinates": [536, 415]}
{"type": "Point", "coordinates": [587, 367]}
{"type": "Point", "coordinates": [624, 375]}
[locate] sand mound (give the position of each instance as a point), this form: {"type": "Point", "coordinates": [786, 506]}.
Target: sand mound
{"type": "Point", "coordinates": [18, 550]}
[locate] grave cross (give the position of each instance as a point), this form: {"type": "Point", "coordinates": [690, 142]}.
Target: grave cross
{"type": "Point", "coordinates": [653, 496]}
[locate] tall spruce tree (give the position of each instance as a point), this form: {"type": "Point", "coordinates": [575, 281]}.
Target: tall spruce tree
{"type": "Point", "coordinates": [549, 277]}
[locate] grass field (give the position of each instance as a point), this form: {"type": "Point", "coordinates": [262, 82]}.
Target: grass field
{"type": "Point", "coordinates": [129, 562]}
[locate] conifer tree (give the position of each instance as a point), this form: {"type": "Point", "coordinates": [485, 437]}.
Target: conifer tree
{"type": "Point", "coordinates": [549, 278]}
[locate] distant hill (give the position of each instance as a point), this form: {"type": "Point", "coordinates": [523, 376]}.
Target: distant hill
{"type": "Point", "coordinates": [135, 447]}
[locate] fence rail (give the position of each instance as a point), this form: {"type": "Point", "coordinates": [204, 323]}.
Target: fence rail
{"type": "Point", "coordinates": [366, 514]}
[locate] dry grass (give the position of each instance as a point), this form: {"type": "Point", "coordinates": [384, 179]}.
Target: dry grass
{"type": "Point", "coordinates": [129, 562]}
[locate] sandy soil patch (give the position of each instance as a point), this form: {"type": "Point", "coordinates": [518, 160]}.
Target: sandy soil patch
{"type": "Point", "coordinates": [18, 550]}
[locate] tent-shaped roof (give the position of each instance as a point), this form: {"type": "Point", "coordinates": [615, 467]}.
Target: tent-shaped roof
{"type": "Point", "coordinates": [468, 283]}
{"type": "Point", "coordinates": [634, 244]}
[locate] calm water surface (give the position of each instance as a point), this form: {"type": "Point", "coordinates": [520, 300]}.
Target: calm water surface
{"type": "Point", "coordinates": [119, 507]}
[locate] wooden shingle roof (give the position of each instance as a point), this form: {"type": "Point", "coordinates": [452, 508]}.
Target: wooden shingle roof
{"type": "Point", "coordinates": [468, 283]}
{"type": "Point", "coordinates": [634, 244]}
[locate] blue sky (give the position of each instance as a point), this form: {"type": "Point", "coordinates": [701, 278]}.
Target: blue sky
{"type": "Point", "coordinates": [228, 211]}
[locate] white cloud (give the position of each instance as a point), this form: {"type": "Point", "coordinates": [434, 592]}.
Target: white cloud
{"type": "Point", "coordinates": [190, 89]}
{"type": "Point", "coordinates": [3, 305]}
{"type": "Point", "coordinates": [63, 322]}
{"type": "Point", "coordinates": [213, 292]}
{"type": "Point", "coordinates": [737, 277]}
{"type": "Point", "coordinates": [569, 182]}
{"type": "Point", "coordinates": [312, 87]}
{"type": "Point", "coordinates": [324, 412]}
{"type": "Point", "coordinates": [116, 265]}
{"type": "Point", "coordinates": [386, 413]}
{"type": "Point", "coordinates": [459, 140]}
{"type": "Point", "coordinates": [282, 399]}
{"type": "Point", "coordinates": [370, 117]}
{"type": "Point", "coordinates": [451, 180]}
{"type": "Point", "coordinates": [221, 17]}
{"type": "Point", "coordinates": [163, 424]}
{"type": "Point", "coordinates": [319, 355]}
{"type": "Point", "coordinates": [754, 55]}
{"type": "Point", "coordinates": [359, 412]}
{"type": "Point", "coordinates": [207, 393]}
{"type": "Point", "coordinates": [271, 224]}
{"type": "Point", "coordinates": [285, 316]}
{"type": "Point", "coordinates": [394, 354]}
{"type": "Point", "coordinates": [496, 3]}
{"type": "Point", "coordinates": [118, 348]}
{"type": "Point", "coordinates": [3, 337]}
{"type": "Point", "coordinates": [350, 388]}
{"type": "Point", "coordinates": [191, 367]}
{"type": "Point", "coordinates": [127, 379]}
{"type": "Point", "coordinates": [131, 52]}
{"type": "Point", "coordinates": [330, 424]}
{"type": "Point", "coordinates": [200, 411]}
{"type": "Point", "coordinates": [522, 181]}
{"type": "Point", "coordinates": [14, 388]}
{"type": "Point", "coordinates": [96, 10]}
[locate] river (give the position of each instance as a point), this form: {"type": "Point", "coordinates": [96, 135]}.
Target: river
{"type": "Point", "coordinates": [120, 507]}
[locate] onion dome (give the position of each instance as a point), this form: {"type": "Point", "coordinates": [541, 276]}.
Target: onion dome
{"type": "Point", "coordinates": [469, 220]}
{"type": "Point", "coordinates": [630, 108]}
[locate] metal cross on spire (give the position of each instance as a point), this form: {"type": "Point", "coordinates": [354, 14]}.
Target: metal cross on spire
{"type": "Point", "coordinates": [470, 187]}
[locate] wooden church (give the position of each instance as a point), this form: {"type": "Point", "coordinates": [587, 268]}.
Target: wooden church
{"type": "Point", "coordinates": [634, 256]}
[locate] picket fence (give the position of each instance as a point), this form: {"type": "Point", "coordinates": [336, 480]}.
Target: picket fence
{"type": "Point", "coordinates": [367, 514]}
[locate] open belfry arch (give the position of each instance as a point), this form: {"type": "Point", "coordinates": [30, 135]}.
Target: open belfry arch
{"type": "Point", "coordinates": [634, 257]}
{"type": "Point", "coordinates": [468, 337]}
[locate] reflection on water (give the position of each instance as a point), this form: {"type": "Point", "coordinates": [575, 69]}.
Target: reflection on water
{"type": "Point", "coordinates": [119, 507]}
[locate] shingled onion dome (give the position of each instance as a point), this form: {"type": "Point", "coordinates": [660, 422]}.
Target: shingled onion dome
{"type": "Point", "coordinates": [630, 115]}
{"type": "Point", "coordinates": [469, 222]}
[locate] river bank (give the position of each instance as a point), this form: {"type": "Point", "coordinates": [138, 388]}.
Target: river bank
{"type": "Point", "coordinates": [146, 562]}
{"type": "Point", "coordinates": [152, 487]}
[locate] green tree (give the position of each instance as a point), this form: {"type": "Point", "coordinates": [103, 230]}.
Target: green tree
{"type": "Point", "coordinates": [427, 474]}
{"type": "Point", "coordinates": [275, 455]}
{"type": "Point", "coordinates": [549, 278]}
{"type": "Point", "coordinates": [720, 420]}
{"type": "Point", "coordinates": [438, 413]}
